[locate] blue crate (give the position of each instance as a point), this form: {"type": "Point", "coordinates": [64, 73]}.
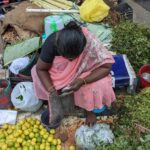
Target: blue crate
{"type": "Point", "coordinates": [122, 72]}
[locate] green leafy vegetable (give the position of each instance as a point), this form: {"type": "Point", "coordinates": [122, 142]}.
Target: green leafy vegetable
{"type": "Point", "coordinates": [133, 40]}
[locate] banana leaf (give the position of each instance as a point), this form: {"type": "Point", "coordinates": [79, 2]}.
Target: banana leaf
{"type": "Point", "coordinates": [22, 49]}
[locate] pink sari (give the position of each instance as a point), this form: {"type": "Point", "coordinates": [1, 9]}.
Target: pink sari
{"type": "Point", "coordinates": [63, 72]}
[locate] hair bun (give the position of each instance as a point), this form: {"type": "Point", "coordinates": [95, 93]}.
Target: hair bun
{"type": "Point", "coordinates": [72, 25]}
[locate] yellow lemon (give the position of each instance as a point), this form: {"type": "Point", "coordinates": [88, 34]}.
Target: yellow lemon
{"type": "Point", "coordinates": [50, 139]}
{"type": "Point", "coordinates": [54, 142]}
{"type": "Point", "coordinates": [35, 130]}
{"type": "Point", "coordinates": [27, 125]}
{"type": "Point", "coordinates": [17, 145]}
{"type": "Point", "coordinates": [38, 122]}
{"type": "Point", "coordinates": [59, 147]}
{"type": "Point", "coordinates": [58, 141]}
{"type": "Point", "coordinates": [25, 148]}
{"type": "Point", "coordinates": [47, 148]}
{"type": "Point", "coordinates": [45, 136]}
{"type": "Point", "coordinates": [24, 143]}
{"type": "Point", "coordinates": [16, 134]}
{"type": "Point", "coordinates": [31, 147]}
{"type": "Point", "coordinates": [31, 135]}
{"type": "Point", "coordinates": [11, 136]}
{"type": "Point", "coordinates": [41, 127]}
{"type": "Point", "coordinates": [21, 122]}
{"type": "Point", "coordinates": [19, 132]}
{"type": "Point", "coordinates": [5, 126]}
{"type": "Point", "coordinates": [13, 127]}
{"type": "Point", "coordinates": [43, 140]}
{"type": "Point", "coordinates": [19, 140]}
{"type": "Point", "coordinates": [26, 132]}
{"type": "Point", "coordinates": [35, 126]}
{"type": "Point", "coordinates": [42, 147]}
{"type": "Point", "coordinates": [72, 147]}
{"type": "Point", "coordinates": [34, 140]}
{"type": "Point", "coordinates": [33, 143]}
{"type": "Point", "coordinates": [47, 144]}
{"type": "Point", "coordinates": [52, 131]}
{"type": "Point", "coordinates": [36, 147]}
{"type": "Point", "coordinates": [9, 131]}
{"type": "Point", "coordinates": [10, 143]}
{"type": "Point", "coordinates": [29, 119]}
{"type": "Point", "coordinates": [24, 128]}
{"type": "Point", "coordinates": [42, 132]}
{"type": "Point", "coordinates": [4, 146]}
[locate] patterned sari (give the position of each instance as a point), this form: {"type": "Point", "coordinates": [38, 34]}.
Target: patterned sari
{"type": "Point", "coordinates": [63, 72]}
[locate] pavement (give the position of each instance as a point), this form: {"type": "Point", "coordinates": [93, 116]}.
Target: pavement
{"type": "Point", "coordinates": [141, 13]}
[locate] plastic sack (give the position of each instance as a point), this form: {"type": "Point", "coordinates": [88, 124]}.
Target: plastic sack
{"type": "Point", "coordinates": [52, 24]}
{"type": "Point", "coordinates": [8, 116]}
{"type": "Point", "coordinates": [93, 10]}
{"type": "Point", "coordinates": [92, 137]}
{"type": "Point", "coordinates": [23, 97]}
{"type": "Point", "coordinates": [19, 64]}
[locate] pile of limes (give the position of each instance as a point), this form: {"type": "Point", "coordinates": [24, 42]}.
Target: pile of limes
{"type": "Point", "coordinates": [28, 134]}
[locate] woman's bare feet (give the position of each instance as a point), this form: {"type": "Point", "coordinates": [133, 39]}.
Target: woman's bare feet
{"type": "Point", "coordinates": [90, 118]}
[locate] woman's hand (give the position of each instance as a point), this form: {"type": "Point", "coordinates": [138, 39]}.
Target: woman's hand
{"type": "Point", "coordinates": [74, 86]}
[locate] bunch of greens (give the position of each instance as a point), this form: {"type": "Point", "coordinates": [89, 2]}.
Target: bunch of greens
{"type": "Point", "coordinates": [130, 111]}
{"type": "Point", "coordinates": [133, 40]}
{"type": "Point", "coordinates": [138, 108]}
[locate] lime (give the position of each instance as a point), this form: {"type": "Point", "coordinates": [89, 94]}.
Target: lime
{"type": "Point", "coordinates": [31, 135]}
{"type": "Point", "coordinates": [59, 147]}
{"type": "Point", "coordinates": [58, 141]}
{"type": "Point", "coordinates": [53, 147]}
{"type": "Point", "coordinates": [72, 147]}
{"type": "Point", "coordinates": [25, 148]}
{"type": "Point", "coordinates": [50, 139]}
{"type": "Point", "coordinates": [52, 131]}
{"type": "Point", "coordinates": [42, 147]}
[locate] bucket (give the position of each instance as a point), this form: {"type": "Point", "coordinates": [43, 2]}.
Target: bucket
{"type": "Point", "coordinates": [144, 69]}
{"type": "Point", "coordinates": [5, 92]}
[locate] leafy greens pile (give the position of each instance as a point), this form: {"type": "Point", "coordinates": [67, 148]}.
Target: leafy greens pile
{"type": "Point", "coordinates": [133, 110]}
{"type": "Point", "coordinates": [133, 40]}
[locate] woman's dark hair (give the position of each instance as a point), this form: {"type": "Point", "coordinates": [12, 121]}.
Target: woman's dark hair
{"type": "Point", "coordinates": [71, 41]}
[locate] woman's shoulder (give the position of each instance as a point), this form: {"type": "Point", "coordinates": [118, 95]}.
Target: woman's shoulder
{"type": "Point", "coordinates": [51, 38]}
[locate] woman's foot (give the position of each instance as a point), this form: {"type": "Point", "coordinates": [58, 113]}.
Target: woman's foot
{"type": "Point", "coordinates": [90, 118]}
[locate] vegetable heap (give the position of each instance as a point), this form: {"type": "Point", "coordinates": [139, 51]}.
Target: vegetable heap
{"type": "Point", "coordinates": [133, 40]}
{"type": "Point", "coordinates": [133, 110]}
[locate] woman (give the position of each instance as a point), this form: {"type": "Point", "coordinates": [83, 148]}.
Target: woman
{"type": "Point", "coordinates": [74, 57]}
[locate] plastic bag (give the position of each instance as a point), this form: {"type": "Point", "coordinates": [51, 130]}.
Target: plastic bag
{"type": "Point", "coordinates": [8, 116]}
{"type": "Point", "coordinates": [94, 10]}
{"type": "Point", "coordinates": [92, 137]}
{"type": "Point", "coordinates": [23, 97]}
{"type": "Point", "coordinates": [19, 64]}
